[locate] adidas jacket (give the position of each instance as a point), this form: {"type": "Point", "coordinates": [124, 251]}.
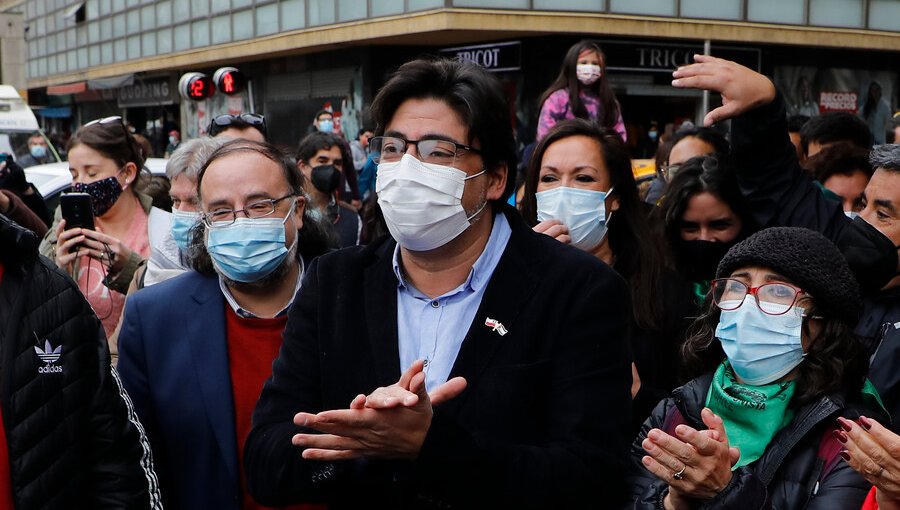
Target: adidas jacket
{"type": "Point", "coordinates": [73, 439]}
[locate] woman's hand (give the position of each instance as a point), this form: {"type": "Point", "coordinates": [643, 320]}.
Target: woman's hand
{"type": "Point", "coordinates": [742, 89]}
{"type": "Point", "coordinates": [111, 252]}
{"type": "Point", "coordinates": [554, 229]}
{"type": "Point", "coordinates": [874, 452]}
{"type": "Point", "coordinates": [68, 246]}
{"type": "Point", "coordinates": [696, 464]}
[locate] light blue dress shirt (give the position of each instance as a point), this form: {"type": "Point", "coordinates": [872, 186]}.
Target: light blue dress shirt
{"type": "Point", "coordinates": [434, 329]}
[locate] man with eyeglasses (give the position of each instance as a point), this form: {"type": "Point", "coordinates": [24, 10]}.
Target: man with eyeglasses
{"type": "Point", "coordinates": [465, 361]}
{"type": "Point", "coordinates": [195, 350]}
{"type": "Point", "coordinates": [249, 126]}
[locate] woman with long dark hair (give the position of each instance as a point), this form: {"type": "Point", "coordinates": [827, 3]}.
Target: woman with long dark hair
{"type": "Point", "coordinates": [777, 368]}
{"type": "Point", "coordinates": [580, 189]}
{"type": "Point", "coordinates": [581, 91]}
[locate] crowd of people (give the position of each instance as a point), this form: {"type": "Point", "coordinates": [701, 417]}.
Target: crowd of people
{"type": "Point", "coordinates": [401, 321]}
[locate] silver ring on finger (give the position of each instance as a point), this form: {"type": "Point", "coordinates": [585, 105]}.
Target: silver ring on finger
{"type": "Point", "coordinates": [679, 475]}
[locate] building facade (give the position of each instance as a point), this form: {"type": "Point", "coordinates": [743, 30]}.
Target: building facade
{"type": "Point", "coordinates": [90, 58]}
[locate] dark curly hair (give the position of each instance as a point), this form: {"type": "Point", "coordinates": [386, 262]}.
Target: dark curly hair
{"type": "Point", "coordinates": [111, 138]}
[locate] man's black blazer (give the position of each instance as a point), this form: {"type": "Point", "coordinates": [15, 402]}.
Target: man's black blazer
{"type": "Point", "coordinates": [542, 423]}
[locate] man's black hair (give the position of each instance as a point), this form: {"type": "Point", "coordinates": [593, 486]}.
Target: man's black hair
{"type": "Point", "coordinates": [834, 127]}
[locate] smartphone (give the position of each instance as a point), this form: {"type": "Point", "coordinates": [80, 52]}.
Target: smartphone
{"type": "Point", "coordinates": [77, 210]}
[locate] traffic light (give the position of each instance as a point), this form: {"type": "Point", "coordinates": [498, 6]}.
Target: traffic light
{"type": "Point", "coordinates": [229, 80]}
{"type": "Point", "coordinates": [196, 86]}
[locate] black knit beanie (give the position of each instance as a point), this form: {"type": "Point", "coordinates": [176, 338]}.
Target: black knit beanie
{"type": "Point", "coordinates": [807, 259]}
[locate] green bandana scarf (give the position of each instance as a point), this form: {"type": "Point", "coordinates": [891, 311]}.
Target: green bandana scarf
{"type": "Point", "coordinates": [752, 414]}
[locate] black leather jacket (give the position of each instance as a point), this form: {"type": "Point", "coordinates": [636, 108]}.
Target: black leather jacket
{"type": "Point", "coordinates": [787, 476]}
{"type": "Point", "coordinates": [73, 440]}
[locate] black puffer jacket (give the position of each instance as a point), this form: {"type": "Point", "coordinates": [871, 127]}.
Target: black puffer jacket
{"type": "Point", "coordinates": [790, 461]}
{"type": "Point", "coordinates": [73, 440]}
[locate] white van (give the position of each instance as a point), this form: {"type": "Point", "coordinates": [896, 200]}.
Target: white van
{"type": "Point", "coordinates": [17, 124]}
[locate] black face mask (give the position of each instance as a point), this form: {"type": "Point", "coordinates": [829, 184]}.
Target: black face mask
{"type": "Point", "coordinates": [871, 255]}
{"type": "Point", "coordinates": [698, 259]}
{"type": "Point", "coordinates": [326, 178]}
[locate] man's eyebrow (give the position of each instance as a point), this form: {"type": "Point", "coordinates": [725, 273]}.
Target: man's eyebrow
{"type": "Point", "coordinates": [887, 204]}
{"type": "Point", "coordinates": [427, 136]}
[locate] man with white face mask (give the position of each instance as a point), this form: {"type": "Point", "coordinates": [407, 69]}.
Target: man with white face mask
{"type": "Point", "coordinates": [195, 350]}
{"type": "Point", "coordinates": [465, 361]}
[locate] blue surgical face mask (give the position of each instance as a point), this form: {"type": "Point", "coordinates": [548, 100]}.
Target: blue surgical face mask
{"type": "Point", "coordinates": [326, 125]}
{"type": "Point", "coordinates": [582, 211]}
{"type": "Point", "coordinates": [249, 249]}
{"type": "Point", "coordinates": [761, 348]}
{"type": "Point", "coordinates": [182, 223]}
{"type": "Point", "coordinates": [38, 151]}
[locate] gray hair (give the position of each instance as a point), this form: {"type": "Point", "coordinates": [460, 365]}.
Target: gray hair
{"type": "Point", "coordinates": [190, 157]}
{"type": "Point", "coordinates": [885, 156]}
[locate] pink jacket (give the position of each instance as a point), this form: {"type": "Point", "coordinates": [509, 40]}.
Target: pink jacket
{"type": "Point", "coordinates": [556, 109]}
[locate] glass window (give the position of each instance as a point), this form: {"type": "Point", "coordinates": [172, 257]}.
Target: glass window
{"type": "Point", "coordinates": [321, 12]}
{"type": "Point", "coordinates": [836, 13]}
{"type": "Point", "coordinates": [51, 65]}
{"type": "Point", "coordinates": [92, 9]}
{"type": "Point", "coordinates": [42, 47]}
{"type": "Point", "coordinates": [712, 9]}
{"type": "Point", "coordinates": [164, 41]}
{"type": "Point", "coordinates": [134, 47]}
{"type": "Point", "coordinates": [199, 8]}
{"type": "Point", "coordinates": [293, 14]}
{"type": "Point", "coordinates": [94, 55]}
{"type": "Point", "coordinates": [61, 63]}
{"type": "Point", "coordinates": [200, 34]}
{"type": "Point", "coordinates": [81, 34]}
{"type": "Point", "coordinates": [42, 67]}
{"type": "Point", "coordinates": [388, 7]}
{"type": "Point", "coordinates": [61, 41]}
{"type": "Point", "coordinates": [182, 10]}
{"type": "Point", "coordinates": [51, 24]}
{"type": "Point", "coordinates": [351, 9]}
{"type": "Point", "coordinates": [148, 17]}
{"type": "Point", "coordinates": [29, 11]}
{"type": "Point", "coordinates": [71, 60]}
{"type": "Point", "coordinates": [40, 27]}
{"type": "Point", "coordinates": [118, 25]}
{"type": "Point", "coordinates": [106, 53]}
{"type": "Point", "coordinates": [421, 5]}
{"type": "Point", "coordinates": [884, 15]}
{"type": "Point", "coordinates": [105, 7]}
{"type": "Point", "coordinates": [105, 29]}
{"type": "Point", "coordinates": [120, 52]}
{"type": "Point", "coordinates": [51, 44]}
{"type": "Point", "coordinates": [132, 3]}
{"type": "Point", "coordinates": [516, 4]}
{"type": "Point", "coordinates": [163, 13]}
{"type": "Point", "coordinates": [71, 40]}
{"type": "Point", "coordinates": [182, 37]}
{"type": "Point", "coordinates": [243, 25]}
{"type": "Point", "coordinates": [569, 5]}
{"type": "Point", "coordinates": [221, 5]}
{"type": "Point", "coordinates": [32, 68]}
{"type": "Point", "coordinates": [237, 4]}
{"type": "Point", "coordinates": [148, 43]}
{"type": "Point", "coordinates": [221, 29]}
{"type": "Point", "coordinates": [776, 11]}
{"type": "Point", "coordinates": [134, 21]}
{"type": "Point", "coordinates": [83, 58]}
{"type": "Point", "coordinates": [118, 5]}
{"type": "Point", "coordinates": [39, 8]}
{"type": "Point", "coordinates": [267, 19]}
{"type": "Point", "coordinates": [653, 7]}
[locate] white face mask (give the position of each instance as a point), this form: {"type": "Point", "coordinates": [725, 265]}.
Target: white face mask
{"type": "Point", "coordinates": [587, 73]}
{"type": "Point", "coordinates": [422, 202]}
{"type": "Point", "coordinates": [582, 211]}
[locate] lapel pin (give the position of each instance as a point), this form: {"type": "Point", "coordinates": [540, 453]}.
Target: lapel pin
{"type": "Point", "coordinates": [495, 325]}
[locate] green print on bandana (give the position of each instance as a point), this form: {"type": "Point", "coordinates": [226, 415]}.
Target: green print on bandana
{"type": "Point", "coordinates": [752, 414]}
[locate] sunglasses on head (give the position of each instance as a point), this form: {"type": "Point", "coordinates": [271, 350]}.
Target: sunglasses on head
{"type": "Point", "coordinates": [115, 119]}
{"type": "Point", "coordinates": [222, 122]}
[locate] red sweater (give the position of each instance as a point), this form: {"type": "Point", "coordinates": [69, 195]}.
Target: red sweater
{"type": "Point", "coordinates": [6, 500]}
{"type": "Point", "coordinates": [252, 346]}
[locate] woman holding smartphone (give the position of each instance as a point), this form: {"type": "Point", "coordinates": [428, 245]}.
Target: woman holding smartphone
{"type": "Point", "coordinates": [105, 161]}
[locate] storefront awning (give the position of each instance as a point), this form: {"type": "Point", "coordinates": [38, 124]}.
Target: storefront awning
{"type": "Point", "coordinates": [55, 112]}
{"type": "Point", "coordinates": [113, 82]}
{"type": "Point", "coordinates": [69, 88]}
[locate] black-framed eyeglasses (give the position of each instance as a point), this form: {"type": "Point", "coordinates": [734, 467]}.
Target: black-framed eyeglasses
{"type": "Point", "coordinates": [773, 298]}
{"type": "Point", "coordinates": [222, 122]}
{"type": "Point", "coordinates": [441, 152]}
{"type": "Point", "coordinates": [668, 171]}
{"type": "Point", "coordinates": [117, 119]}
{"type": "Point", "coordinates": [258, 209]}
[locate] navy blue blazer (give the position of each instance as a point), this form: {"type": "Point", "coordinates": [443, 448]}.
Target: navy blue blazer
{"type": "Point", "coordinates": [173, 361]}
{"type": "Point", "coordinates": [543, 422]}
